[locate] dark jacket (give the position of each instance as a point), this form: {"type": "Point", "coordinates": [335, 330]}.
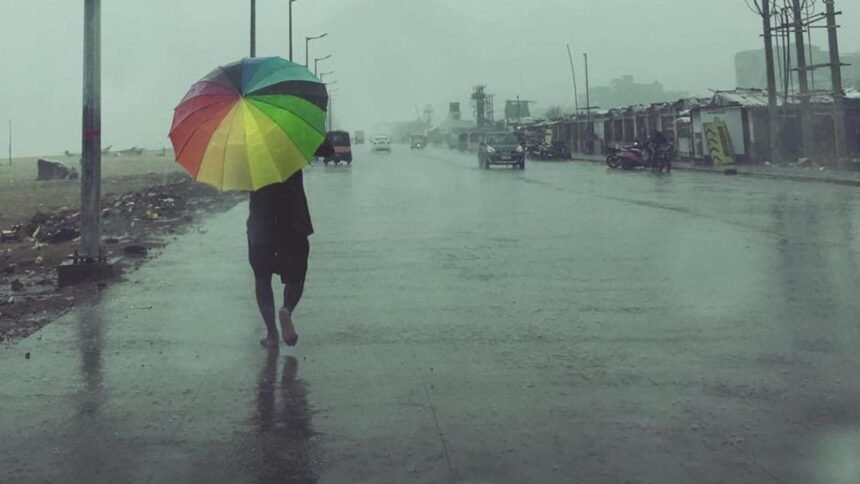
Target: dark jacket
{"type": "Point", "coordinates": [279, 212]}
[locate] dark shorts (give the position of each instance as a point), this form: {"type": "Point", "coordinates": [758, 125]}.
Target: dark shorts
{"type": "Point", "coordinates": [287, 258]}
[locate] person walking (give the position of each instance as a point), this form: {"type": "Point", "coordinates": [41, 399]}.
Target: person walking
{"type": "Point", "coordinates": [279, 225]}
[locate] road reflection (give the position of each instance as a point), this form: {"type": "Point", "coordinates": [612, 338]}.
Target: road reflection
{"type": "Point", "coordinates": [94, 449]}
{"type": "Point", "coordinates": [283, 424]}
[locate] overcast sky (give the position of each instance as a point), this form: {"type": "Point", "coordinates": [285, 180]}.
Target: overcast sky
{"type": "Point", "coordinates": [390, 56]}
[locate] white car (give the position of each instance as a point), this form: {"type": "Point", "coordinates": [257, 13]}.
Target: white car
{"type": "Point", "coordinates": [380, 143]}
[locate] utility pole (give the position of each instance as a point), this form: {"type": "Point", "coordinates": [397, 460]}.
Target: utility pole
{"type": "Point", "coordinates": [587, 108]}
{"type": "Point", "coordinates": [772, 110]}
{"type": "Point", "coordinates": [839, 134]}
{"type": "Point", "coordinates": [575, 95]}
{"type": "Point", "coordinates": [573, 75]}
{"type": "Point", "coordinates": [807, 119]}
{"type": "Point", "coordinates": [253, 28]}
{"type": "Point", "coordinates": [91, 142]}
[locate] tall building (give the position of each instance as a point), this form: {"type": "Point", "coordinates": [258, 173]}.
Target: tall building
{"type": "Point", "coordinates": [750, 71]}
{"type": "Point", "coordinates": [625, 91]}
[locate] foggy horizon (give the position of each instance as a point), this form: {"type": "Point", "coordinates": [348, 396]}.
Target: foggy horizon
{"type": "Point", "coordinates": [386, 65]}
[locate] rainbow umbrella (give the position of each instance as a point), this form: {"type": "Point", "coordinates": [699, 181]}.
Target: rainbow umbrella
{"type": "Point", "coordinates": [250, 124]}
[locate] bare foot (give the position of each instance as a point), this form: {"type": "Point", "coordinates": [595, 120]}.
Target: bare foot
{"type": "Point", "coordinates": [288, 330]}
{"type": "Point", "coordinates": [270, 342]}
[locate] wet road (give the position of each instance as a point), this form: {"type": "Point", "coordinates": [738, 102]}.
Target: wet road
{"type": "Point", "coordinates": [562, 324]}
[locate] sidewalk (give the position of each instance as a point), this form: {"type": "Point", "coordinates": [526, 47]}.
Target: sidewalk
{"type": "Point", "coordinates": [838, 177]}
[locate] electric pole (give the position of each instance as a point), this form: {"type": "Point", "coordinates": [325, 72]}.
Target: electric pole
{"type": "Point", "coordinates": [575, 94]}
{"type": "Point", "coordinates": [91, 142]}
{"type": "Point", "coordinates": [588, 129]}
{"type": "Point", "coordinates": [807, 120]}
{"type": "Point", "coordinates": [253, 28]}
{"type": "Point", "coordinates": [573, 75]}
{"type": "Point", "coordinates": [772, 109]}
{"type": "Point", "coordinates": [839, 134]}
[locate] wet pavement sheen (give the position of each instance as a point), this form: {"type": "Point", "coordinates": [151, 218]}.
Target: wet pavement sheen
{"type": "Point", "coordinates": [562, 324]}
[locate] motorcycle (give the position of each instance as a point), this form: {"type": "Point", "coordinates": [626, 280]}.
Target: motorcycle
{"type": "Point", "coordinates": [629, 157]}
{"type": "Point", "coordinates": [649, 155]}
{"type": "Point", "coordinates": [557, 151]}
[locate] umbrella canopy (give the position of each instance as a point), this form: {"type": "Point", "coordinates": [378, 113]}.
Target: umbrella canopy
{"type": "Point", "coordinates": [250, 124]}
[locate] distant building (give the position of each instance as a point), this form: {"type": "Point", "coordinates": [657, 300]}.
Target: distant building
{"type": "Point", "coordinates": [625, 91]}
{"type": "Point", "coordinates": [750, 71]}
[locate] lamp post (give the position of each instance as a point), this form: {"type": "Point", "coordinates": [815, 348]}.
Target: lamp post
{"type": "Point", "coordinates": [322, 76]}
{"type": "Point", "coordinates": [253, 28]}
{"type": "Point", "coordinates": [317, 61]}
{"type": "Point", "coordinates": [307, 47]}
{"type": "Point", "coordinates": [291, 28]}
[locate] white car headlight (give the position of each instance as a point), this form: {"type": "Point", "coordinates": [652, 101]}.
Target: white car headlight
{"type": "Point", "coordinates": [490, 149]}
{"type": "Point", "coordinates": [520, 149]}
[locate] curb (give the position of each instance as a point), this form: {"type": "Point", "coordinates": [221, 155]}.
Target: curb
{"type": "Point", "coordinates": [751, 174]}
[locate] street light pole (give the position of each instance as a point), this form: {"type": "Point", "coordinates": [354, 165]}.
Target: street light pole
{"type": "Point", "coordinates": [91, 139]}
{"type": "Point", "coordinates": [253, 28]}
{"type": "Point", "coordinates": [291, 29]}
{"type": "Point", "coordinates": [317, 61]}
{"type": "Point", "coordinates": [307, 47]}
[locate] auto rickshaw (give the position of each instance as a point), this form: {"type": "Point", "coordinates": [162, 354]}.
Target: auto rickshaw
{"type": "Point", "coordinates": [341, 148]}
{"type": "Point", "coordinates": [419, 141]}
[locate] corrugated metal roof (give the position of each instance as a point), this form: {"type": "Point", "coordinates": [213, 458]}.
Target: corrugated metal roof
{"type": "Point", "coordinates": [740, 97]}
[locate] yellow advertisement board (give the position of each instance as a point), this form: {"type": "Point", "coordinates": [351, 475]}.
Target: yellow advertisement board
{"type": "Point", "coordinates": [719, 142]}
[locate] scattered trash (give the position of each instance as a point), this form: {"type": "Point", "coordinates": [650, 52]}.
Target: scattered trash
{"type": "Point", "coordinates": [8, 235]}
{"type": "Point", "coordinates": [39, 261]}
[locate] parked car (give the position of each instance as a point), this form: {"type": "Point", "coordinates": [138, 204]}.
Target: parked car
{"type": "Point", "coordinates": [501, 148]}
{"type": "Point", "coordinates": [380, 143]}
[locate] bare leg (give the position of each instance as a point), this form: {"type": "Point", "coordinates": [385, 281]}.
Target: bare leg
{"type": "Point", "coordinates": [292, 294]}
{"type": "Point", "coordinates": [266, 303]}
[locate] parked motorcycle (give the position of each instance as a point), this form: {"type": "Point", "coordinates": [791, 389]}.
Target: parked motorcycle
{"type": "Point", "coordinates": [629, 157]}
{"type": "Point", "coordinates": [556, 151]}
{"type": "Point", "coordinates": [649, 155]}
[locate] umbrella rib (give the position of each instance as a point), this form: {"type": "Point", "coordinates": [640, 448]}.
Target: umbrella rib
{"type": "Point", "coordinates": [224, 155]}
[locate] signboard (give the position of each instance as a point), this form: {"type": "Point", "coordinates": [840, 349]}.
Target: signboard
{"type": "Point", "coordinates": [517, 110]}
{"type": "Point", "coordinates": [719, 142]}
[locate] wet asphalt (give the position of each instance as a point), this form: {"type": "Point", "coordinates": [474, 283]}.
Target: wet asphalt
{"type": "Point", "coordinates": [562, 324]}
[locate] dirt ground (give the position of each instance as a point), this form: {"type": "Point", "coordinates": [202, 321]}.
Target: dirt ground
{"type": "Point", "coordinates": [147, 201]}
